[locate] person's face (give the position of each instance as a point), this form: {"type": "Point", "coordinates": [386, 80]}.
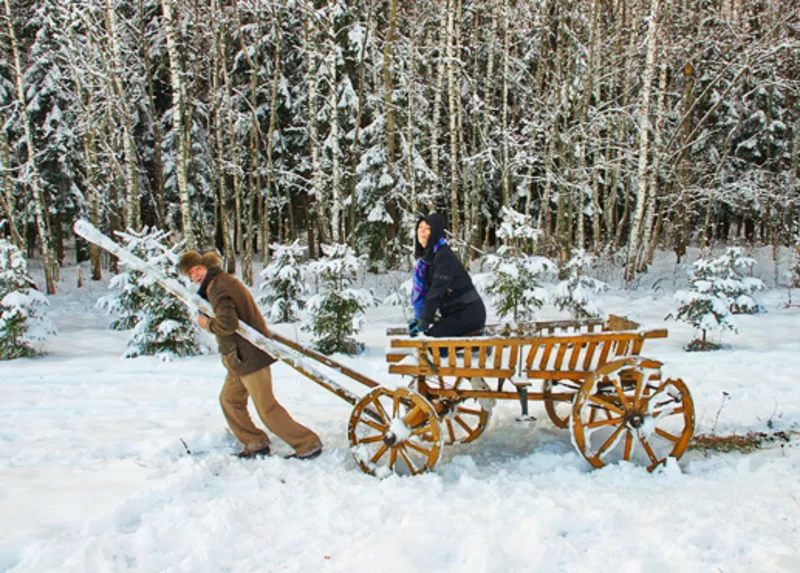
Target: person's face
{"type": "Point", "coordinates": [423, 233]}
{"type": "Point", "coordinates": [197, 273]}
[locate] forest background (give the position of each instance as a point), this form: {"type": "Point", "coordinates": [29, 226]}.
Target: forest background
{"type": "Point", "coordinates": [614, 125]}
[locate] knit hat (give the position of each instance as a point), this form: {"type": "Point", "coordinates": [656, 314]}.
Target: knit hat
{"type": "Point", "coordinates": [191, 259]}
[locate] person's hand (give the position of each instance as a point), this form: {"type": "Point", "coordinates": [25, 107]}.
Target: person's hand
{"type": "Point", "coordinates": [203, 321]}
{"type": "Point", "coordinates": [413, 328]}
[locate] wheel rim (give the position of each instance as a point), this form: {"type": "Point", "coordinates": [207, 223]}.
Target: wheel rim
{"type": "Point", "coordinates": [394, 432]}
{"type": "Point", "coordinates": [559, 411]}
{"type": "Point", "coordinates": [626, 412]}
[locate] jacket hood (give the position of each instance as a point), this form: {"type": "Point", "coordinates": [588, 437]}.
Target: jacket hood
{"type": "Point", "coordinates": [436, 223]}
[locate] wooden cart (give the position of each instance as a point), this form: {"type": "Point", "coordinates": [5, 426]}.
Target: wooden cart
{"type": "Point", "coordinates": [588, 373]}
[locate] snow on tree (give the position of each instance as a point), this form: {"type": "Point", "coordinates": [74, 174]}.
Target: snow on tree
{"type": "Point", "coordinates": [336, 312]}
{"type": "Point", "coordinates": [21, 322]}
{"type": "Point", "coordinates": [716, 291]}
{"type": "Point", "coordinates": [740, 286]}
{"type": "Point", "coordinates": [515, 288]}
{"type": "Point", "coordinates": [161, 324]}
{"type": "Point", "coordinates": [574, 293]}
{"type": "Point", "coordinates": [284, 283]}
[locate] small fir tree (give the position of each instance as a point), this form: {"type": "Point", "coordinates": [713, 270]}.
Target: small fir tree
{"type": "Point", "coordinates": [335, 313]}
{"type": "Point", "coordinates": [21, 322]}
{"type": "Point", "coordinates": [284, 284]}
{"type": "Point", "coordinates": [707, 304]}
{"type": "Point", "coordinates": [515, 288]}
{"type": "Point", "coordinates": [574, 294]}
{"type": "Point", "coordinates": [740, 285]}
{"type": "Point", "coordinates": [161, 324]}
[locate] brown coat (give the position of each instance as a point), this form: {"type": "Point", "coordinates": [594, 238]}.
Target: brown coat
{"type": "Point", "coordinates": [232, 302]}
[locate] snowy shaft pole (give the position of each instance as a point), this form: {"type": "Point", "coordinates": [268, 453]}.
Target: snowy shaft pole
{"type": "Point", "coordinates": [197, 304]}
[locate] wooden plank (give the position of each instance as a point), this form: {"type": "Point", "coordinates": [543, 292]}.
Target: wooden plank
{"type": "Point", "coordinates": [514, 356]}
{"type": "Point", "coordinates": [532, 350]}
{"type": "Point", "coordinates": [550, 339]}
{"type": "Point", "coordinates": [562, 349]}
{"type": "Point", "coordinates": [587, 357]}
{"type": "Point", "coordinates": [425, 370]}
{"type": "Point", "coordinates": [573, 359]}
{"type": "Point", "coordinates": [396, 356]}
{"type": "Point", "coordinates": [548, 348]}
{"type": "Point", "coordinates": [498, 355]}
{"type": "Point", "coordinates": [604, 349]}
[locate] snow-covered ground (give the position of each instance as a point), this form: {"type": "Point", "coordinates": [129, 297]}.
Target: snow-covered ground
{"type": "Point", "coordinates": [96, 477]}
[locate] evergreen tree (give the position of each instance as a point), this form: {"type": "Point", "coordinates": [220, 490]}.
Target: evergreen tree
{"type": "Point", "coordinates": [21, 322]}
{"type": "Point", "coordinates": [515, 288]}
{"type": "Point", "coordinates": [740, 287]}
{"type": "Point", "coordinates": [574, 293]}
{"type": "Point", "coordinates": [335, 313]}
{"type": "Point", "coordinates": [161, 324]}
{"type": "Point", "coordinates": [707, 304]}
{"type": "Point", "coordinates": [284, 284]}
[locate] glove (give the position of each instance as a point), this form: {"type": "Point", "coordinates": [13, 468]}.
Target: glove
{"type": "Point", "coordinates": [413, 328]}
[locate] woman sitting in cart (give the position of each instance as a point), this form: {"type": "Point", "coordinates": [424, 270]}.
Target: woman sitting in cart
{"type": "Point", "coordinates": [442, 283]}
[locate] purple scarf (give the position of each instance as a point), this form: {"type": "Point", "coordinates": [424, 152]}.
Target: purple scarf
{"type": "Point", "coordinates": [418, 287]}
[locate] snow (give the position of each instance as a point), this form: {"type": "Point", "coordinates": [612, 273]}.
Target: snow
{"type": "Point", "coordinates": [95, 475]}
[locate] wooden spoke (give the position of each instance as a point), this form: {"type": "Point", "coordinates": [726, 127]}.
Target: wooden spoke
{"type": "Point", "coordinates": [450, 431]}
{"type": "Point", "coordinates": [602, 402]}
{"type": "Point", "coordinates": [381, 410]}
{"type": "Point", "coordinates": [667, 435]}
{"type": "Point", "coordinates": [374, 425]}
{"type": "Point", "coordinates": [609, 442]}
{"type": "Point", "coordinates": [395, 406]}
{"type": "Point", "coordinates": [626, 454]}
{"type": "Point", "coordinates": [462, 424]}
{"type": "Point", "coordinates": [392, 457]}
{"type": "Point", "coordinates": [372, 439]}
{"type": "Point", "coordinates": [620, 392]}
{"type": "Point", "coordinates": [650, 453]}
{"type": "Point", "coordinates": [465, 410]}
{"type": "Point", "coordinates": [379, 454]}
{"type": "Point", "coordinates": [602, 423]}
{"type": "Point", "coordinates": [418, 448]}
{"type": "Point", "coordinates": [411, 465]}
{"type": "Point", "coordinates": [640, 385]}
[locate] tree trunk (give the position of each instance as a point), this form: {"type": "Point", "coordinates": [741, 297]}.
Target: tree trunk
{"type": "Point", "coordinates": [273, 121]}
{"type": "Point", "coordinates": [643, 256]}
{"type": "Point", "coordinates": [444, 36]}
{"type": "Point", "coordinates": [333, 101]}
{"type": "Point", "coordinates": [132, 207]}
{"type": "Point", "coordinates": [387, 82]}
{"type": "Point", "coordinates": [36, 182]}
{"type": "Point", "coordinates": [8, 193]}
{"type": "Point", "coordinates": [644, 141]}
{"type": "Point", "coordinates": [179, 125]}
{"type": "Point", "coordinates": [452, 93]}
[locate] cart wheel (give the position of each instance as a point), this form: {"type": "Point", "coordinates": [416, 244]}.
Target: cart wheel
{"type": "Point", "coordinates": [394, 431]}
{"type": "Point", "coordinates": [624, 411]}
{"type": "Point", "coordinates": [464, 420]}
{"type": "Point", "coordinates": [558, 396]}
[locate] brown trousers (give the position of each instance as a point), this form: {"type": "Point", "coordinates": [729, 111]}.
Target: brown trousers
{"type": "Point", "coordinates": [258, 386]}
